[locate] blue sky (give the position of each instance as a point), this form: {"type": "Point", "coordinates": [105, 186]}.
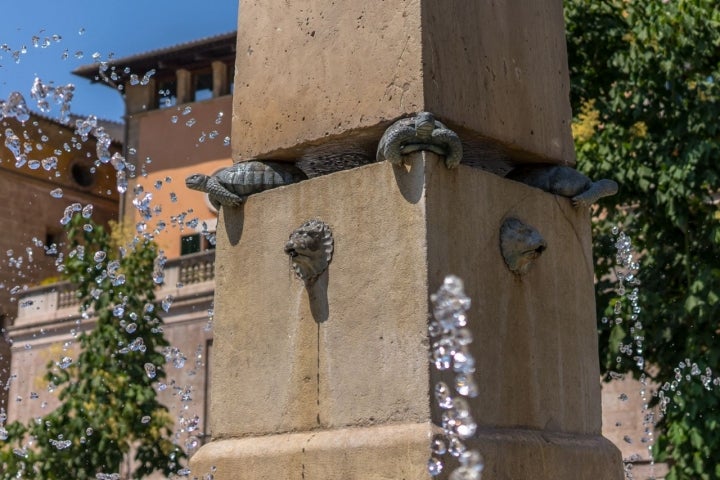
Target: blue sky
{"type": "Point", "coordinates": [107, 27]}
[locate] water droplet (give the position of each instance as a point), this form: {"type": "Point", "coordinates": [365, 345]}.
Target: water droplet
{"type": "Point", "coordinates": [60, 444]}
{"type": "Point", "coordinates": [438, 445]}
{"type": "Point", "coordinates": [79, 54]}
{"type": "Point", "coordinates": [20, 452]}
{"type": "Point", "coordinates": [99, 256]}
{"type": "Point", "coordinates": [192, 442]}
{"type": "Point", "coordinates": [190, 122]}
{"type": "Point", "coordinates": [122, 183]}
{"type": "Point", "coordinates": [465, 385]}
{"type": "Point", "coordinates": [103, 152]}
{"type": "Point", "coordinates": [64, 363]}
{"type": "Point", "coordinates": [150, 370]}
{"type": "Point", "coordinates": [187, 110]}
{"type": "Point", "coordinates": [442, 395]}
{"type": "Point", "coordinates": [56, 193]}
{"type": "Point", "coordinates": [226, 141]}
{"type": "Point", "coordinates": [456, 447]}
{"type": "Point", "coordinates": [15, 106]}
{"type": "Point", "coordinates": [463, 337]}
{"type": "Point", "coordinates": [49, 163]}
{"type": "Point", "coordinates": [118, 311]}
{"type": "Point", "coordinates": [463, 362]}
{"type": "Point", "coordinates": [34, 164]}
{"type": "Point", "coordinates": [146, 418]}
{"type": "Point", "coordinates": [442, 356]}
{"type": "Point", "coordinates": [131, 327]}
{"type": "Point", "coordinates": [434, 466]}
{"type": "Point", "coordinates": [87, 210]}
{"type": "Point", "coordinates": [465, 473]}
{"type": "Point", "coordinates": [12, 142]}
{"type": "Point", "coordinates": [146, 78]}
{"type": "Point", "coordinates": [466, 428]}
{"type": "Point", "coordinates": [167, 301]}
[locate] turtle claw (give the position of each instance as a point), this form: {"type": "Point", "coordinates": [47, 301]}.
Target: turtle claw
{"type": "Point", "coordinates": [597, 190]}
{"type": "Point", "coordinates": [225, 202]}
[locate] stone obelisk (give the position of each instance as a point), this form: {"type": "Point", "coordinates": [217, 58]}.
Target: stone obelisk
{"type": "Point", "coordinates": [330, 379]}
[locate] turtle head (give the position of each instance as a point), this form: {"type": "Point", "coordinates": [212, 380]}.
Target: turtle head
{"type": "Point", "coordinates": [196, 181]}
{"type": "Point", "coordinates": [424, 124]}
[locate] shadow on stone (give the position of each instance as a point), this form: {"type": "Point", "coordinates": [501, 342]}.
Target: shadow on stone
{"type": "Point", "coordinates": [233, 218]}
{"type": "Point", "coordinates": [410, 177]}
{"type": "Point", "coordinates": [317, 297]}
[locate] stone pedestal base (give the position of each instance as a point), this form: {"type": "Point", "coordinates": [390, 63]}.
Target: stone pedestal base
{"type": "Point", "coordinates": [401, 452]}
{"type": "Point", "coordinates": [331, 380]}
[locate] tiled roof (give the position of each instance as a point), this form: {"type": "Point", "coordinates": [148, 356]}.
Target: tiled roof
{"type": "Point", "coordinates": [113, 128]}
{"type": "Point", "coordinates": [163, 60]}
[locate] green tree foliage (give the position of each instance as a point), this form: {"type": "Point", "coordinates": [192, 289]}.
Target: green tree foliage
{"type": "Point", "coordinates": [109, 408]}
{"type": "Point", "coordinates": [645, 81]}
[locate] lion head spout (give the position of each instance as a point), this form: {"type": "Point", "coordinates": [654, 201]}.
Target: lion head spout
{"type": "Point", "coordinates": [310, 248]}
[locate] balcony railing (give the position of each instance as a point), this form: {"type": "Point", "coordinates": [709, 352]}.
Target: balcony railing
{"type": "Point", "coordinates": [42, 304]}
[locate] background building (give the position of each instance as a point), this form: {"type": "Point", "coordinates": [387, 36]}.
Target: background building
{"type": "Point", "coordinates": [178, 107]}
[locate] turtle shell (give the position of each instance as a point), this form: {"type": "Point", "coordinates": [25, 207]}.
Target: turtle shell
{"type": "Point", "coordinates": [246, 178]}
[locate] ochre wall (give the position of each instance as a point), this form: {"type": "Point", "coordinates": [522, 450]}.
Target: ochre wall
{"type": "Point", "coordinates": [172, 145]}
{"type": "Point", "coordinates": [190, 202]}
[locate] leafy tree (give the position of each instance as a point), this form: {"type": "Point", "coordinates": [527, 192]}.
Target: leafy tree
{"type": "Point", "coordinates": [109, 407]}
{"type": "Point", "coordinates": [644, 87]}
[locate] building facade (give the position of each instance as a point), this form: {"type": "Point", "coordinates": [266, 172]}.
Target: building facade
{"type": "Point", "coordinates": [56, 169]}
{"type": "Point", "coordinates": [178, 107]}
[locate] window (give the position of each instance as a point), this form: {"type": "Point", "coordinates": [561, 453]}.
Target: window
{"type": "Point", "coordinates": [53, 239]}
{"type": "Point", "coordinates": [194, 243]}
{"type": "Point", "coordinates": [167, 94]}
{"type": "Point", "coordinates": [203, 86]}
{"type": "Point", "coordinates": [82, 174]}
{"type": "Point", "coordinates": [189, 244]}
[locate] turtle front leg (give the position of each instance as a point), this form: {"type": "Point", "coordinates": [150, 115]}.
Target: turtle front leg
{"type": "Point", "coordinates": [392, 143]}
{"type": "Point", "coordinates": [596, 190]}
{"type": "Point", "coordinates": [220, 195]}
{"type": "Point", "coordinates": [451, 144]}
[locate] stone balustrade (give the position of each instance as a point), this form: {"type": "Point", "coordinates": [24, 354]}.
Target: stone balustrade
{"type": "Point", "coordinates": [60, 300]}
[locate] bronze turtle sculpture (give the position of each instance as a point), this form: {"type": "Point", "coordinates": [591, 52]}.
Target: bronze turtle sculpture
{"type": "Point", "coordinates": [420, 132]}
{"type": "Point", "coordinates": [230, 186]}
{"type": "Point", "coordinates": [565, 181]}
